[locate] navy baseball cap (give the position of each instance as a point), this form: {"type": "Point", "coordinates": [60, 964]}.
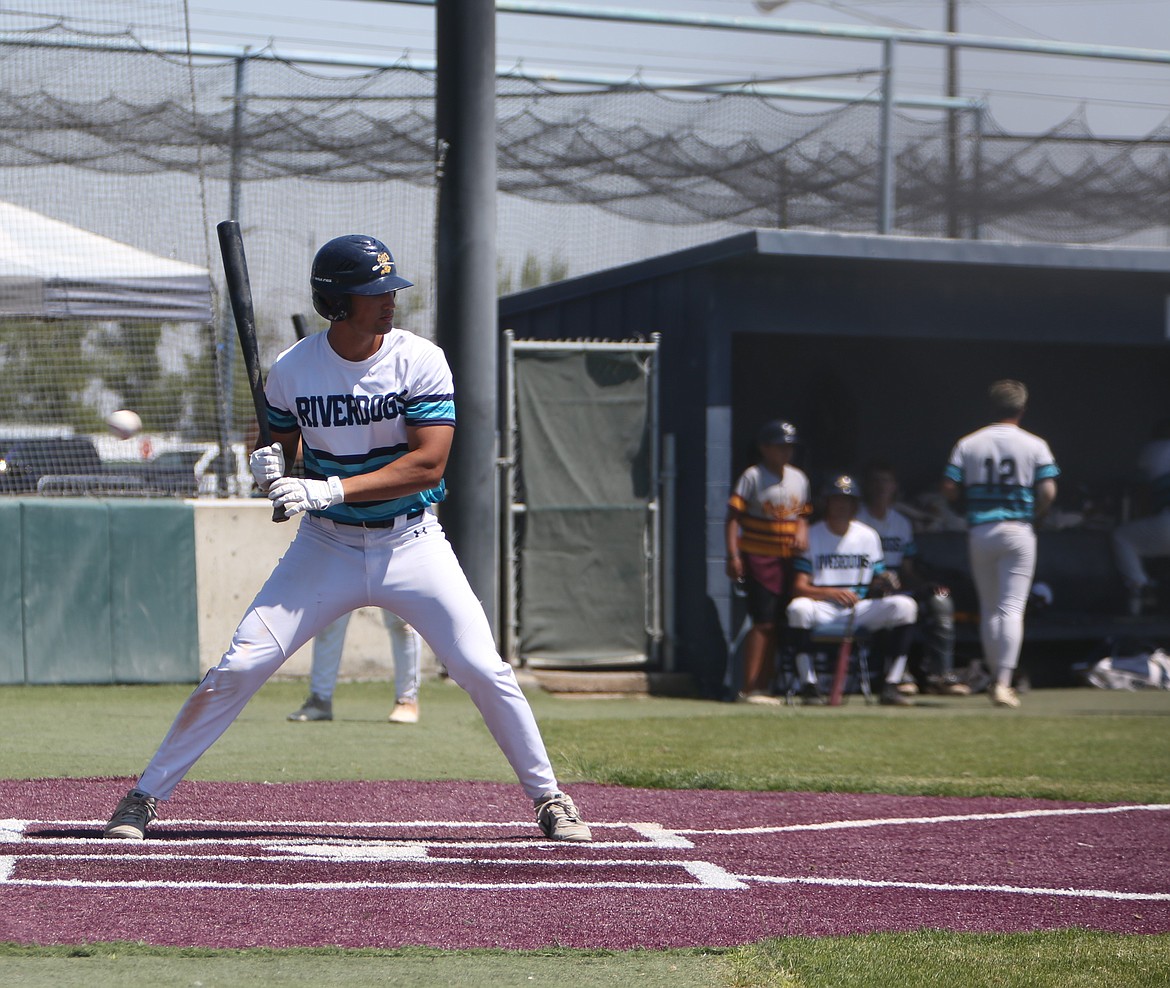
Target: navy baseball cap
{"type": "Point", "coordinates": [777, 433]}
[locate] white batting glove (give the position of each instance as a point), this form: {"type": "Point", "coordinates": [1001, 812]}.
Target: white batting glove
{"type": "Point", "coordinates": [267, 464]}
{"type": "Point", "coordinates": [295, 495]}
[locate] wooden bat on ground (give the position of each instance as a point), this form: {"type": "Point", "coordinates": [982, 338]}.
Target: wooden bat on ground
{"type": "Point", "coordinates": [235, 269]}
{"type": "Point", "coordinates": [842, 666]}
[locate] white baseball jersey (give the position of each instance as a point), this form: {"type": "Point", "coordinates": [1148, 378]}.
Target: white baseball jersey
{"type": "Point", "coordinates": [769, 508]}
{"type": "Point", "coordinates": [851, 560]}
{"type": "Point", "coordinates": [896, 533]}
{"type": "Point", "coordinates": [352, 416]}
{"type": "Point", "coordinates": [999, 466]}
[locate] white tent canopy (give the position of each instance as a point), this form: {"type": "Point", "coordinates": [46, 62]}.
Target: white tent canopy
{"type": "Point", "coordinates": [51, 270]}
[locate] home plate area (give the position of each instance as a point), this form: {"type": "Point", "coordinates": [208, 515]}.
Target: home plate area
{"type": "Point", "coordinates": [460, 865]}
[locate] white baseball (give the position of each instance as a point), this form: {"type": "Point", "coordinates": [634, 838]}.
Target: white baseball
{"type": "Point", "coordinates": [124, 423]}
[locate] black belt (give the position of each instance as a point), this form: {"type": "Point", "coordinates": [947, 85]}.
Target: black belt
{"type": "Point", "coordinates": [387, 523]}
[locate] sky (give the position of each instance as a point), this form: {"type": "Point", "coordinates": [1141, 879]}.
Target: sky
{"type": "Point", "coordinates": [1026, 93]}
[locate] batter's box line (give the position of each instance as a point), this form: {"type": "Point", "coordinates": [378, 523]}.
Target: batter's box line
{"type": "Point", "coordinates": [654, 835]}
{"type": "Point", "coordinates": [959, 887]}
{"type": "Point", "coordinates": [708, 876]}
{"type": "Point", "coordinates": [915, 820]}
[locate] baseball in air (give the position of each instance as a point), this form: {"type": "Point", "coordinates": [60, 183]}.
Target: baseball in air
{"type": "Point", "coordinates": [124, 423]}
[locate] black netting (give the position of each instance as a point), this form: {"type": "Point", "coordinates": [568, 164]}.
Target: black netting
{"type": "Point", "coordinates": [647, 156]}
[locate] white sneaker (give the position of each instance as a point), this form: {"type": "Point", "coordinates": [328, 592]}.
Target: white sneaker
{"type": "Point", "coordinates": [404, 712]}
{"type": "Point", "coordinates": [559, 818]}
{"type": "Point", "coordinates": [1004, 696]}
{"type": "Point", "coordinates": [763, 699]}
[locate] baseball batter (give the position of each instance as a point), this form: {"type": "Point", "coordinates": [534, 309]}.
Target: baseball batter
{"type": "Point", "coordinates": [832, 588]}
{"type": "Point", "coordinates": [1008, 477]}
{"type": "Point", "coordinates": [372, 408]}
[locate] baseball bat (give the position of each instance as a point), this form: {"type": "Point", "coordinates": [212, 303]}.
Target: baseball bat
{"type": "Point", "coordinates": [235, 269]}
{"type": "Point", "coordinates": [842, 666]}
{"type": "Point", "coordinates": [300, 326]}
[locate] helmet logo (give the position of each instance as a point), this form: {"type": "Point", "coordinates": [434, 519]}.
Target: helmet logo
{"type": "Point", "coordinates": [383, 263]}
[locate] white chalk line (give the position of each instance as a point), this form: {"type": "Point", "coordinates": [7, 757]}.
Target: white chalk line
{"type": "Point", "coordinates": [918, 820]}
{"type": "Point", "coordinates": [707, 874]}
{"type": "Point", "coordinates": [959, 887]}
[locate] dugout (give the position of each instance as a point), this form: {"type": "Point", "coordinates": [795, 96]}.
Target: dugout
{"type": "Point", "coordinates": [874, 346]}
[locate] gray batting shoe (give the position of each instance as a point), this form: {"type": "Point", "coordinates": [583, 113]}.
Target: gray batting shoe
{"type": "Point", "coordinates": [315, 708]}
{"type": "Point", "coordinates": [131, 817]}
{"type": "Point", "coordinates": [559, 818]}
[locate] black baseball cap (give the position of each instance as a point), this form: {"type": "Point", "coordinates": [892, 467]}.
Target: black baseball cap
{"type": "Point", "coordinates": [777, 433]}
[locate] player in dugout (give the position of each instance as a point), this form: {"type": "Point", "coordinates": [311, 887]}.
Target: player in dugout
{"type": "Point", "coordinates": [373, 408]}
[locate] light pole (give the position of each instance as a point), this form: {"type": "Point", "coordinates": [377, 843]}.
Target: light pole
{"type": "Point", "coordinates": [952, 191]}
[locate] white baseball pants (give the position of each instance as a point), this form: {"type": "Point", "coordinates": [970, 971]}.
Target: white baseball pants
{"type": "Point", "coordinates": [880, 612]}
{"type": "Point", "coordinates": [330, 641]}
{"type": "Point", "coordinates": [327, 571]}
{"type": "Point", "coordinates": [1003, 562]}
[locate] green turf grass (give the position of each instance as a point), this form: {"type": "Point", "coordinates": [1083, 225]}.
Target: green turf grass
{"type": "Point", "coordinates": [1068, 744]}
{"type": "Point", "coordinates": [925, 959]}
{"type": "Point", "coordinates": [1092, 745]}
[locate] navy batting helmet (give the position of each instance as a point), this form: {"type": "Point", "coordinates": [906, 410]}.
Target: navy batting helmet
{"type": "Point", "coordinates": [842, 484]}
{"type": "Point", "coordinates": [352, 265]}
{"type": "Point", "coordinates": [777, 433]}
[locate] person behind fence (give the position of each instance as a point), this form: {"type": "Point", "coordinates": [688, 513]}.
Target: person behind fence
{"type": "Point", "coordinates": [373, 407]}
{"type": "Point", "coordinates": [1007, 477]}
{"type": "Point", "coordinates": [936, 606]}
{"type": "Point", "coordinates": [767, 524]}
{"type": "Point", "coordinates": [1148, 535]}
{"type": "Point", "coordinates": [837, 585]}
{"type": "Point", "coordinates": [327, 647]}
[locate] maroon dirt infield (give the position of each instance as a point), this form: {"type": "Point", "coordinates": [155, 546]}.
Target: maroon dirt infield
{"type": "Point", "coordinates": [388, 864]}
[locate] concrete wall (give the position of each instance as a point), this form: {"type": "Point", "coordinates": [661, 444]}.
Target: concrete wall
{"type": "Point", "coordinates": [236, 546]}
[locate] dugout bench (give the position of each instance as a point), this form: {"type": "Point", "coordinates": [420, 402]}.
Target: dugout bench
{"type": "Point", "coordinates": [1088, 595]}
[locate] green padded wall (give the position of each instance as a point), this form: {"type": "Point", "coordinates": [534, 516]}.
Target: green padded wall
{"type": "Point", "coordinates": [152, 592]}
{"type": "Point", "coordinates": [108, 591]}
{"type": "Point", "coordinates": [66, 576]}
{"type": "Point", "coordinates": [11, 602]}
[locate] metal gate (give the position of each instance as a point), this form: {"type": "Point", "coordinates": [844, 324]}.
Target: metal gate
{"type": "Point", "coordinates": [581, 524]}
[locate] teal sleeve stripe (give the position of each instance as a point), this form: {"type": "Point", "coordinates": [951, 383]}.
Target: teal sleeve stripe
{"type": "Point", "coordinates": [1047, 472]}
{"type": "Point", "coordinates": [281, 421]}
{"type": "Point", "coordinates": [437, 411]}
{"type": "Point", "coordinates": [954, 473]}
{"type": "Point", "coordinates": [801, 565]}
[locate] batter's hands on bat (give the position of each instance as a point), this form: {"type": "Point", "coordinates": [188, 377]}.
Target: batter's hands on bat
{"type": "Point", "coordinates": [267, 465]}
{"type": "Point", "coordinates": [295, 495]}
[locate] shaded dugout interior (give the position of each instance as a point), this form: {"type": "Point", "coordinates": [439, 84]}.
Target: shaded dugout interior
{"type": "Point", "coordinates": [874, 347]}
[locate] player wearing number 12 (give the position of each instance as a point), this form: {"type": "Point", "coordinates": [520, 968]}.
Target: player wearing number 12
{"type": "Point", "coordinates": [1008, 477]}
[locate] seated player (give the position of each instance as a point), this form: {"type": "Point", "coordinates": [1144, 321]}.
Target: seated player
{"type": "Point", "coordinates": [936, 607]}
{"type": "Point", "coordinates": [835, 583]}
